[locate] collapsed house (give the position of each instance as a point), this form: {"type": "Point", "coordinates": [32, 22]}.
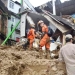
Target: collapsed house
{"type": "Point", "coordinates": [65, 10]}
{"type": "Point", "coordinates": [60, 26]}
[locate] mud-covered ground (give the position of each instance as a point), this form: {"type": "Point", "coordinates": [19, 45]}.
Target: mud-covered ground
{"type": "Point", "coordinates": [16, 61]}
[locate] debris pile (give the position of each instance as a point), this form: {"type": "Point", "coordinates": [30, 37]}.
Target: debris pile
{"type": "Point", "coordinates": [16, 61]}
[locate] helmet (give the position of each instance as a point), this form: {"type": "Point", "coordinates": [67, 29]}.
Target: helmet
{"type": "Point", "coordinates": [40, 22]}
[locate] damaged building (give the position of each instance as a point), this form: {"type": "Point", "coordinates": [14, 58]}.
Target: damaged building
{"type": "Point", "coordinates": [59, 25]}
{"type": "Point", "coordinates": [14, 7]}
{"type": "Point", "coordinates": [66, 8]}
{"type": "Point", "coordinates": [3, 21]}
{"type": "Point", "coordinates": [14, 18]}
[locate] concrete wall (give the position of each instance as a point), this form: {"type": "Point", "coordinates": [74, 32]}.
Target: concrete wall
{"type": "Point", "coordinates": [15, 8]}
{"type": "Point", "coordinates": [10, 23]}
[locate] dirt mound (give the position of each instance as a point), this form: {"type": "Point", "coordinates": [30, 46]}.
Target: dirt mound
{"type": "Point", "coordinates": [16, 61]}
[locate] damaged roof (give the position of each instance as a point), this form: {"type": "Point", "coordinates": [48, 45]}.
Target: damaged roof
{"type": "Point", "coordinates": [36, 17]}
{"type": "Point", "coordinates": [48, 18]}
{"type": "Point", "coordinates": [59, 18]}
{"type": "Point", "coordinates": [14, 14]}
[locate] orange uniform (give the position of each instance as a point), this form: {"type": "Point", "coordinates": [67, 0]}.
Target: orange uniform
{"type": "Point", "coordinates": [45, 41]}
{"type": "Point", "coordinates": [31, 36]}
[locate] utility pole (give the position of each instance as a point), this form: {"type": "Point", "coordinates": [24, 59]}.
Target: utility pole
{"type": "Point", "coordinates": [21, 2]}
{"type": "Point", "coordinates": [54, 9]}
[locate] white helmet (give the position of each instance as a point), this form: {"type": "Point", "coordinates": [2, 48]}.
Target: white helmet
{"type": "Point", "coordinates": [69, 36]}
{"type": "Point", "coordinates": [40, 22]}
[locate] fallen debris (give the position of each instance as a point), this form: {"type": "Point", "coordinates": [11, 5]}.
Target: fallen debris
{"type": "Point", "coordinates": [21, 62]}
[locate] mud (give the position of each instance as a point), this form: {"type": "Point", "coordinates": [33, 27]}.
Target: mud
{"type": "Point", "coordinates": [16, 61]}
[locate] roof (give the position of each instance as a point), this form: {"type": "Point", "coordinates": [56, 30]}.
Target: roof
{"type": "Point", "coordinates": [36, 17]}
{"type": "Point", "coordinates": [3, 8]}
{"type": "Point", "coordinates": [12, 13]}
{"type": "Point", "coordinates": [59, 19]}
{"type": "Point", "coordinates": [62, 28]}
{"type": "Point", "coordinates": [48, 18]}
{"type": "Point", "coordinates": [64, 21]}
{"type": "Point", "coordinates": [17, 3]}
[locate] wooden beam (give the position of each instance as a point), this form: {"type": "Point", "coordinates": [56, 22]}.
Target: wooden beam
{"type": "Point", "coordinates": [63, 39]}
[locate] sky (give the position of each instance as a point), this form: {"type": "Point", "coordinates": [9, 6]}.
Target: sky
{"type": "Point", "coordinates": [36, 3]}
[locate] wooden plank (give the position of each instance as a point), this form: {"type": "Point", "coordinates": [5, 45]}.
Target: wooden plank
{"type": "Point", "coordinates": [63, 40]}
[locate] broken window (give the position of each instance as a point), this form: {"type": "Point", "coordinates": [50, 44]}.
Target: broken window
{"type": "Point", "coordinates": [12, 19]}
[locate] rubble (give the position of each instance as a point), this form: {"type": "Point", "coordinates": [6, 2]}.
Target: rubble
{"type": "Point", "coordinates": [21, 62]}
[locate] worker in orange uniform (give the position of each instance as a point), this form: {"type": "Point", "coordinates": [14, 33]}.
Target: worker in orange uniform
{"type": "Point", "coordinates": [45, 39]}
{"type": "Point", "coordinates": [31, 36]}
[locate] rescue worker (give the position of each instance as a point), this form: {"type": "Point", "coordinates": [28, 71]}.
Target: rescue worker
{"type": "Point", "coordinates": [31, 36]}
{"type": "Point", "coordinates": [45, 39]}
{"type": "Point", "coordinates": [67, 55]}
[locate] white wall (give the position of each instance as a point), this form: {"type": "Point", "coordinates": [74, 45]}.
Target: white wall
{"type": "Point", "coordinates": [16, 7]}
{"type": "Point", "coordinates": [10, 22]}
{"type": "Point", "coordinates": [17, 35]}
{"type": "Point", "coordinates": [26, 4]}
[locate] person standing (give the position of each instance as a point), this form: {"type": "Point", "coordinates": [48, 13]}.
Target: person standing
{"type": "Point", "coordinates": [31, 36]}
{"type": "Point", "coordinates": [67, 55]}
{"type": "Point", "coordinates": [45, 39]}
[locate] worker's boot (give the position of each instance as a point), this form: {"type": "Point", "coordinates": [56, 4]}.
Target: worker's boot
{"type": "Point", "coordinates": [47, 54]}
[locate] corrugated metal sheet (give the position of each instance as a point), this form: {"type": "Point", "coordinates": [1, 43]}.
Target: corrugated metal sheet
{"type": "Point", "coordinates": [62, 28]}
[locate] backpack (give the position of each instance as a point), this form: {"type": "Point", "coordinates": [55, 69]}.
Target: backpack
{"type": "Point", "coordinates": [50, 31]}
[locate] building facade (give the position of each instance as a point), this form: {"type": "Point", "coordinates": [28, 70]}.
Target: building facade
{"type": "Point", "coordinates": [13, 8]}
